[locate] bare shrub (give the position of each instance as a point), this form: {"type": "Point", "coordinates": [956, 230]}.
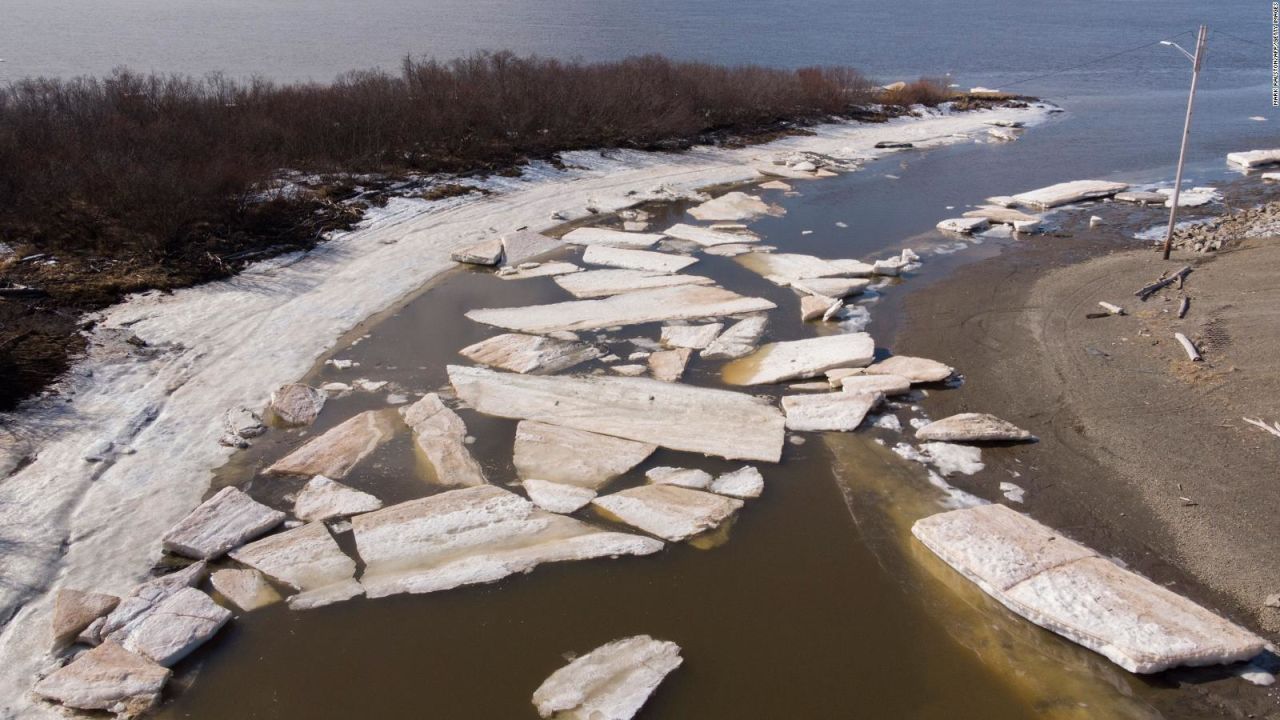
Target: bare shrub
{"type": "Point", "coordinates": [925, 91]}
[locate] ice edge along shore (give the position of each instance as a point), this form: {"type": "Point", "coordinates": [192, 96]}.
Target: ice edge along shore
{"type": "Point", "coordinates": [66, 520]}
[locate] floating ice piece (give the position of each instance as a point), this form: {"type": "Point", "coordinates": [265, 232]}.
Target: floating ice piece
{"type": "Point", "coordinates": [227, 520]}
{"type": "Point", "coordinates": [791, 266]}
{"type": "Point", "coordinates": [74, 610]}
{"type": "Point", "coordinates": [297, 404]}
{"type": "Point", "coordinates": [803, 171]}
{"type": "Point", "coordinates": [774, 185]}
{"type": "Point", "coordinates": [793, 359]}
{"type": "Point", "coordinates": [474, 535]}
{"type": "Point", "coordinates": [1065, 587]}
{"type": "Point", "coordinates": [832, 288]}
{"type": "Point", "coordinates": [733, 250]}
{"type": "Point", "coordinates": [611, 682]}
{"type": "Point", "coordinates": [107, 677]}
{"type": "Point", "coordinates": [972, 427]}
{"type": "Point", "coordinates": [694, 337]}
{"type": "Point", "coordinates": [964, 225]}
{"type": "Point", "coordinates": [746, 482]}
{"type": "Point", "coordinates": [813, 307]}
{"type": "Point", "coordinates": [739, 340]}
{"type": "Point", "coordinates": [885, 384]}
{"type": "Point", "coordinates": [488, 252]}
{"type": "Point", "coordinates": [441, 435]}
{"type": "Point", "coordinates": [950, 458]}
{"type": "Point", "coordinates": [1191, 197]}
{"type": "Point", "coordinates": [551, 269]}
{"type": "Point", "coordinates": [1012, 492]}
{"type": "Point", "coordinates": [708, 238]}
{"type": "Point", "coordinates": [683, 477]}
{"type": "Point", "coordinates": [686, 302]}
{"type": "Point", "coordinates": [1254, 158]}
{"type": "Point", "coordinates": [248, 589]}
{"type": "Point", "coordinates": [669, 365]}
{"type": "Point", "coordinates": [1271, 177]}
{"type": "Point", "coordinates": [305, 558]}
{"type": "Point", "coordinates": [552, 453]}
{"type": "Point", "coordinates": [998, 214]}
{"type": "Point", "coordinates": [835, 412]}
{"type": "Point", "coordinates": [558, 497]}
{"type": "Point", "coordinates": [180, 624]}
{"type": "Point", "coordinates": [612, 238]}
{"type": "Point", "coordinates": [325, 499]}
{"type": "Point", "coordinates": [732, 206]}
{"type": "Point", "coordinates": [1069, 192]}
{"type": "Point", "coordinates": [680, 417]}
{"type": "Point", "coordinates": [629, 370]}
{"type": "Point", "coordinates": [525, 245]}
{"type": "Point", "coordinates": [668, 511]}
{"type": "Point", "coordinates": [1142, 197]}
{"type": "Point", "coordinates": [522, 353]}
{"type": "Point", "coordinates": [603, 283]}
{"type": "Point", "coordinates": [636, 259]}
{"type": "Point", "coordinates": [915, 369]}
{"type": "Point", "coordinates": [141, 602]}
{"type": "Point", "coordinates": [334, 453]}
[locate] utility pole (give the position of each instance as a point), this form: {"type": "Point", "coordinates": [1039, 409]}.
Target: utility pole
{"type": "Point", "coordinates": [1196, 61]}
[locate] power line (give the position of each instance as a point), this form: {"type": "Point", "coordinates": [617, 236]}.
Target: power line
{"type": "Point", "coordinates": [1094, 61]}
{"type": "Point", "coordinates": [1240, 39]}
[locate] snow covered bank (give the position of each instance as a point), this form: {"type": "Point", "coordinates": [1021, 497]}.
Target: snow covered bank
{"type": "Point", "coordinates": [152, 416]}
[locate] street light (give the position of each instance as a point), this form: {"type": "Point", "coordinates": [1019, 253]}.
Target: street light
{"type": "Point", "coordinates": [1196, 61]}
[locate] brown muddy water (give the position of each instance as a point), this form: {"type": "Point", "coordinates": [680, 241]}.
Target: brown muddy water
{"type": "Point", "coordinates": [815, 603]}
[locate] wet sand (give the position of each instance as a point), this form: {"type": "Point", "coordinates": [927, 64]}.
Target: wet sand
{"type": "Point", "coordinates": [1143, 454]}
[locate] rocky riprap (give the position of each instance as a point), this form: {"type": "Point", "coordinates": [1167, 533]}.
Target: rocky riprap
{"type": "Point", "coordinates": [1216, 233]}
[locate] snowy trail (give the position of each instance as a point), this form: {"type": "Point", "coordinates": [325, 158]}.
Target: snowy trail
{"type": "Point", "coordinates": [68, 522]}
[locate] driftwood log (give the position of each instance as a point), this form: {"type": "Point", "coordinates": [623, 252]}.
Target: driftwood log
{"type": "Point", "coordinates": [1184, 307]}
{"type": "Point", "coordinates": [1148, 290]}
{"type": "Point", "coordinates": [1189, 346]}
{"type": "Point", "coordinates": [1112, 309]}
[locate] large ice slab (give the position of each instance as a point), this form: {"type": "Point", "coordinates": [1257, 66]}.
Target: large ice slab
{"type": "Point", "coordinates": [334, 453]}
{"type": "Point", "coordinates": [693, 337]}
{"type": "Point", "coordinates": [612, 238]}
{"type": "Point", "coordinates": [707, 237]}
{"type": "Point", "coordinates": [307, 559]}
{"type": "Point", "coordinates": [793, 359]}
{"type": "Point", "coordinates": [739, 340]}
{"type": "Point", "coordinates": [441, 435]}
{"type": "Point", "coordinates": [1069, 192]}
{"type": "Point", "coordinates": [793, 266]}
{"type": "Point", "coordinates": [915, 369]}
{"type": "Point", "coordinates": [524, 245]}
{"type": "Point", "coordinates": [1067, 588]}
{"type": "Point", "coordinates": [636, 259]}
{"type": "Point", "coordinates": [828, 412]}
{"type": "Point", "coordinates": [1254, 158]}
{"type": "Point", "coordinates": [685, 302]}
{"type": "Point", "coordinates": [574, 457]}
{"type": "Point", "coordinates": [227, 520]}
{"type": "Point", "coordinates": [603, 283]}
{"type": "Point", "coordinates": [668, 511]}
{"type": "Point", "coordinates": [474, 535]}
{"type": "Point", "coordinates": [325, 499]}
{"type": "Point", "coordinates": [611, 682]}
{"type": "Point", "coordinates": [522, 353]}
{"type": "Point", "coordinates": [107, 677]}
{"type": "Point", "coordinates": [681, 417]}
{"type": "Point", "coordinates": [731, 207]}
{"type": "Point", "coordinates": [180, 624]}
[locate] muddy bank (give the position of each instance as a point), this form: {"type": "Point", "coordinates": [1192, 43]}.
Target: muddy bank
{"type": "Point", "coordinates": [1143, 453]}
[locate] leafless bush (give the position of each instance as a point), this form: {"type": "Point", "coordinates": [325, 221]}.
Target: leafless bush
{"type": "Point", "coordinates": [925, 91]}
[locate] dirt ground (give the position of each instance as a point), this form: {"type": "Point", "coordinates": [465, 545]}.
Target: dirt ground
{"type": "Point", "coordinates": [1143, 453]}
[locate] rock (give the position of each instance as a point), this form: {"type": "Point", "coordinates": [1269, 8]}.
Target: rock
{"type": "Point", "coordinates": [791, 266]}
{"type": "Point", "coordinates": [603, 283]}
{"type": "Point", "coordinates": [808, 358]}
{"type": "Point", "coordinates": [683, 477]}
{"type": "Point", "coordinates": [441, 435]}
{"type": "Point", "coordinates": [1069, 192]}
{"type": "Point", "coordinates": [1141, 197]}
{"type": "Point", "coordinates": [972, 427]}
{"type": "Point", "coordinates": [813, 307]}
{"type": "Point", "coordinates": [893, 144]}
{"type": "Point", "coordinates": [668, 511]}
{"type": "Point", "coordinates": [669, 365]}
{"type": "Point", "coordinates": [739, 340]}
{"type": "Point", "coordinates": [915, 369]}
{"type": "Point", "coordinates": [524, 245]}
{"type": "Point", "coordinates": [708, 238]}
{"type": "Point", "coordinates": [611, 682]}
{"type": "Point", "coordinates": [341, 448]}
{"type": "Point", "coordinates": [1254, 158]}
{"type": "Point", "coordinates": [551, 453]}
{"type": "Point", "coordinates": [550, 269]}
{"type": "Point", "coordinates": [109, 678]}
{"type": "Point", "coordinates": [247, 589]}
{"type": "Point", "coordinates": [1065, 587]}
{"type": "Point", "coordinates": [325, 499]}
{"type": "Point", "coordinates": [74, 610]}
{"type": "Point", "coordinates": [296, 404]}
{"type": "Point", "coordinates": [964, 225]}
{"type": "Point", "coordinates": [558, 497]}
{"type": "Point", "coordinates": [522, 353]}
{"type": "Point", "coordinates": [686, 302]}
{"type": "Point", "coordinates": [694, 337]}
{"type": "Point", "coordinates": [997, 214]}
{"type": "Point", "coordinates": [831, 288]}
{"type": "Point", "coordinates": [180, 624]}
{"type": "Point", "coordinates": [636, 259]}
{"type": "Point", "coordinates": [307, 559]}
{"type": "Point", "coordinates": [224, 521]}
{"type": "Point", "coordinates": [730, 207]}
{"type": "Point", "coordinates": [884, 384]}
{"type": "Point", "coordinates": [244, 423]}
{"type": "Point", "coordinates": [840, 412]}
{"type": "Point", "coordinates": [141, 602]}
{"type": "Point", "coordinates": [745, 482]}
{"type": "Point", "coordinates": [714, 422]}
{"type": "Point", "coordinates": [474, 535]}
{"type": "Point", "coordinates": [488, 252]}
{"type": "Point", "coordinates": [611, 238]}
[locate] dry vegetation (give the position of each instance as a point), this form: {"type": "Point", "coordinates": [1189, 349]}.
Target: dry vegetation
{"type": "Point", "coordinates": [143, 181]}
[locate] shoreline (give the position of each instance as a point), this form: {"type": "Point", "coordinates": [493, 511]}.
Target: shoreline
{"type": "Point", "coordinates": [1113, 399]}
{"type": "Point", "coordinates": [151, 416]}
